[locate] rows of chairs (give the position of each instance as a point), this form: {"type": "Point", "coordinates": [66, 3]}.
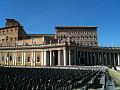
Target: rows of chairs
{"type": "Point", "coordinates": [96, 84]}
{"type": "Point", "coordinates": [44, 78]}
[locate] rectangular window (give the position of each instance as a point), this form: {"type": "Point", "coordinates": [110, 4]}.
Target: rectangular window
{"type": "Point", "coordinates": [38, 59]}
{"type": "Point", "coordinates": [6, 40]}
{"type": "Point", "coordinates": [19, 59]}
{"type": "Point", "coordinates": [28, 59]}
{"type": "Point", "coordinates": [7, 31]}
{"type": "Point", "coordinates": [3, 32]}
{"type": "Point", "coordinates": [10, 58]}
{"type": "Point", "coordinates": [15, 39]}
{"type": "Point", "coordinates": [3, 58]}
{"type": "Point", "coordinates": [11, 39]}
{"type": "Point", "coordinates": [2, 40]}
{"type": "Point", "coordinates": [11, 30]}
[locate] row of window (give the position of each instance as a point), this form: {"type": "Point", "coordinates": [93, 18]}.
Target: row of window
{"type": "Point", "coordinates": [80, 37]}
{"type": "Point", "coordinates": [87, 44]}
{"type": "Point", "coordinates": [77, 32]}
{"type": "Point", "coordinates": [6, 31]}
{"type": "Point", "coordinates": [9, 39]}
{"type": "Point", "coordinates": [20, 59]}
{"type": "Point", "coordinates": [64, 36]}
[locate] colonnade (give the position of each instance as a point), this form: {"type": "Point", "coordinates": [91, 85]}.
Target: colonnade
{"type": "Point", "coordinates": [47, 57]}
{"type": "Point", "coordinates": [64, 57]}
{"type": "Point", "coordinates": [95, 58]}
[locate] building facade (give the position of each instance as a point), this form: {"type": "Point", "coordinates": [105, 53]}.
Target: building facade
{"type": "Point", "coordinates": [80, 35]}
{"type": "Point", "coordinates": [68, 46]}
{"type": "Point", "coordinates": [11, 33]}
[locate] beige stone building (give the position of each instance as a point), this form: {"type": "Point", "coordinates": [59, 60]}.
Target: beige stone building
{"type": "Point", "coordinates": [11, 33]}
{"type": "Point", "coordinates": [70, 45]}
{"type": "Point", "coordinates": [81, 35]}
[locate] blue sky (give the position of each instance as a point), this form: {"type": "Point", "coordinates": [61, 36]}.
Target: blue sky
{"type": "Point", "coordinates": [41, 16]}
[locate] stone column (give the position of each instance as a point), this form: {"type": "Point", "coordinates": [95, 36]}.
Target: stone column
{"type": "Point", "coordinates": [42, 58]}
{"type": "Point", "coordinates": [69, 57]}
{"type": "Point", "coordinates": [15, 58]}
{"type": "Point", "coordinates": [106, 63]}
{"type": "Point", "coordinates": [34, 58]}
{"type": "Point", "coordinates": [5, 59]}
{"type": "Point", "coordinates": [59, 57]}
{"type": "Point", "coordinates": [64, 54]}
{"type": "Point", "coordinates": [114, 58]}
{"type": "Point", "coordinates": [22, 58]}
{"type": "Point", "coordinates": [0, 57]}
{"type": "Point", "coordinates": [84, 57]}
{"type": "Point", "coordinates": [74, 57]}
{"type": "Point", "coordinates": [110, 59]}
{"type": "Point", "coordinates": [91, 59]}
{"type": "Point", "coordinates": [118, 59]}
{"type": "Point", "coordinates": [50, 58]}
{"type": "Point", "coordinates": [80, 57]}
{"type": "Point", "coordinates": [98, 58]}
{"type": "Point", "coordinates": [87, 59]}
{"type": "Point", "coordinates": [94, 58]}
{"type": "Point", "coordinates": [77, 58]}
{"type": "Point", "coordinates": [102, 58]}
{"type": "Point", "coordinates": [53, 58]}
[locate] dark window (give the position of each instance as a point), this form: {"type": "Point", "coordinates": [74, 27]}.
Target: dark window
{"type": "Point", "coordinates": [61, 37]}
{"type": "Point", "coordinates": [11, 39]}
{"type": "Point", "coordinates": [38, 59]}
{"type": "Point", "coordinates": [95, 37]}
{"type": "Point", "coordinates": [6, 40]}
{"type": "Point", "coordinates": [64, 36]}
{"type": "Point", "coordinates": [15, 28]}
{"type": "Point", "coordinates": [15, 39]}
{"type": "Point", "coordinates": [2, 40]}
{"type": "Point", "coordinates": [3, 58]}
{"type": "Point", "coordinates": [28, 59]}
{"type": "Point", "coordinates": [3, 32]}
{"type": "Point", "coordinates": [91, 44]}
{"type": "Point", "coordinates": [19, 59]}
{"type": "Point", "coordinates": [95, 44]}
{"type": "Point", "coordinates": [7, 31]}
{"type": "Point", "coordinates": [10, 58]}
{"type": "Point", "coordinates": [11, 30]}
